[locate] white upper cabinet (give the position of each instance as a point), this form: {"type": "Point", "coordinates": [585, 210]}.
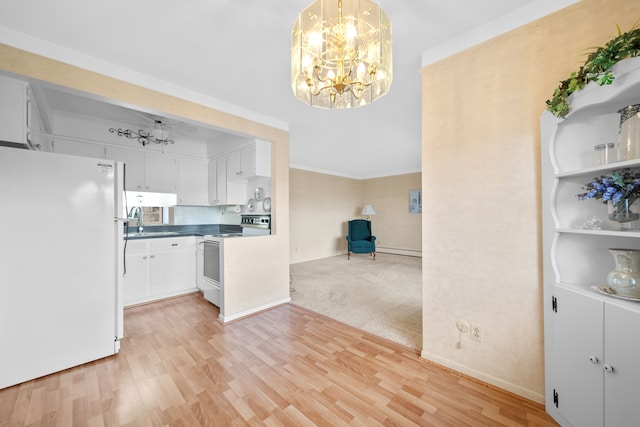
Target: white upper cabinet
{"type": "Point", "coordinates": [78, 148]}
{"type": "Point", "coordinates": [192, 181]}
{"type": "Point", "coordinates": [249, 161]}
{"type": "Point", "coordinates": [218, 180]}
{"type": "Point", "coordinates": [134, 166]}
{"type": "Point", "coordinates": [161, 173]}
{"type": "Point", "coordinates": [147, 171]}
{"type": "Point", "coordinates": [15, 111]}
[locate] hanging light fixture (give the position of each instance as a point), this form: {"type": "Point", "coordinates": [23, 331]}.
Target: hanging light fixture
{"type": "Point", "coordinates": [341, 54]}
{"type": "Point", "coordinates": [156, 135]}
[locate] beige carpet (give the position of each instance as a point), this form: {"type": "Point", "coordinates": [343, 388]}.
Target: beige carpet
{"type": "Point", "coordinates": [383, 297]}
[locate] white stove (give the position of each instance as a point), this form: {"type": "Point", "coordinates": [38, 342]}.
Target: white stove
{"type": "Point", "coordinates": [255, 225]}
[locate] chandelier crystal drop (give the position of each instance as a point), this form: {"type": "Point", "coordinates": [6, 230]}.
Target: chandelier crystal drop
{"type": "Point", "coordinates": [341, 54]}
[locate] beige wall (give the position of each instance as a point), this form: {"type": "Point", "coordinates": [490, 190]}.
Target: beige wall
{"type": "Point", "coordinates": [396, 230]}
{"type": "Point", "coordinates": [481, 163]}
{"type": "Point", "coordinates": [249, 286]}
{"type": "Point", "coordinates": [322, 204]}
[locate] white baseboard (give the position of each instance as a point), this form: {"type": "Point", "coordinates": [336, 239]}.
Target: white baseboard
{"type": "Point", "coordinates": [489, 379]}
{"type": "Point", "coordinates": [227, 319]}
{"type": "Point", "coordinates": [397, 251]}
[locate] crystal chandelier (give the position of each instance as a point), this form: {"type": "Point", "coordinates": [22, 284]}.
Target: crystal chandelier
{"type": "Point", "coordinates": [341, 54]}
{"type": "Point", "coordinates": [157, 135]}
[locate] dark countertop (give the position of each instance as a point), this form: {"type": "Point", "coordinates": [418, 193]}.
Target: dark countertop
{"type": "Point", "coordinates": [161, 231]}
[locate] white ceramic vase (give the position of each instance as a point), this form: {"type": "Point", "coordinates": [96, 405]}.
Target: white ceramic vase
{"type": "Point", "coordinates": [624, 279]}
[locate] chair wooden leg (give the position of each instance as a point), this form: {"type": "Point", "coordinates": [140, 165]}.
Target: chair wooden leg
{"type": "Point", "coordinates": [374, 256]}
{"type": "Point", "coordinates": [348, 255]}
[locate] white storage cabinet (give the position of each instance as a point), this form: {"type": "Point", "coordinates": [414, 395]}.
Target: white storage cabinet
{"type": "Point", "coordinates": [221, 190]}
{"type": "Point", "coordinates": [16, 110]}
{"type": "Point", "coordinates": [159, 268]}
{"type": "Point", "coordinates": [192, 181]}
{"type": "Point", "coordinates": [592, 340]}
{"type": "Point", "coordinates": [78, 148]}
{"type": "Point", "coordinates": [248, 161]}
{"type": "Point", "coordinates": [147, 171]}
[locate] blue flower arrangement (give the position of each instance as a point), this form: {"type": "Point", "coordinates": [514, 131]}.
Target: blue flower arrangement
{"type": "Point", "coordinates": [616, 187]}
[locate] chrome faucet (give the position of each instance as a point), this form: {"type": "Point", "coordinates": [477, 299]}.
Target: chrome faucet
{"type": "Point", "coordinates": [136, 212]}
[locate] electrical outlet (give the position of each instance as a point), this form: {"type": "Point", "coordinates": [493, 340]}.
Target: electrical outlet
{"type": "Point", "coordinates": [477, 333]}
{"type": "Point", "coordinates": [462, 326]}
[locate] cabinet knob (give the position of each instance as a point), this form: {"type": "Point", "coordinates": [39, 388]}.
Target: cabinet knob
{"type": "Point", "coordinates": [608, 368]}
{"type": "Point", "coordinates": [144, 257]}
{"type": "Point", "coordinates": [153, 256]}
{"type": "Point", "coordinates": [594, 360]}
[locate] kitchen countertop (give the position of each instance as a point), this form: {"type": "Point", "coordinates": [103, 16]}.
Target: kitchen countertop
{"type": "Point", "coordinates": [157, 231]}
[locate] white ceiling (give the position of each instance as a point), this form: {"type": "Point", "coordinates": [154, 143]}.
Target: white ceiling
{"type": "Point", "coordinates": [235, 54]}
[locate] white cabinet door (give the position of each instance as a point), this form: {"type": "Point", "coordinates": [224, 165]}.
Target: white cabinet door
{"type": "Point", "coordinates": [134, 166]}
{"type": "Point", "coordinates": [262, 164]}
{"type": "Point", "coordinates": [213, 180]}
{"type": "Point", "coordinates": [578, 357]}
{"type": "Point", "coordinates": [234, 165]}
{"type": "Point", "coordinates": [136, 281]}
{"type": "Point", "coordinates": [77, 148]}
{"type": "Point", "coordinates": [160, 173]}
{"type": "Point", "coordinates": [192, 181]}
{"type": "Point", "coordinates": [13, 110]}
{"type": "Point", "coordinates": [172, 265]}
{"type": "Point", "coordinates": [221, 179]}
{"type": "Point", "coordinates": [622, 351]}
{"type": "Point", "coordinates": [249, 161]}
{"type": "Point", "coordinates": [172, 272]}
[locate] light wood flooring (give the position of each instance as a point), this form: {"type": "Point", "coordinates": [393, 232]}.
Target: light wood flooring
{"type": "Point", "coordinates": [287, 366]}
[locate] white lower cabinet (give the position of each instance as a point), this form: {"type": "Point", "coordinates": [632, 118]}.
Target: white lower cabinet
{"type": "Point", "coordinates": [159, 268]}
{"type": "Point", "coordinates": [596, 364]}
{"type": "Point", "coordinates": [136, 279]}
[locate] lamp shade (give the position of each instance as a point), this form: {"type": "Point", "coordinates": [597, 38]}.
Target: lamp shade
{"type": "Point", "coordinates": [368, 210]}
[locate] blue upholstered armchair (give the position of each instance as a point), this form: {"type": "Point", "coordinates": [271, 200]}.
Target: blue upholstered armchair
{"type": "Point", "coordinates": [359, 239]}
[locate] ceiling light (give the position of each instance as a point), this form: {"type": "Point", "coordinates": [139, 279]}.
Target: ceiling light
{"type": "Point", "coordinates": [341, 54]}
{"type": "Point", "coordinates": [157, 135]}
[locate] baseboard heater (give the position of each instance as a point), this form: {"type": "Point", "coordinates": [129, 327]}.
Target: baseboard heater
{"type": "Point", "coordinates": [398, 251]}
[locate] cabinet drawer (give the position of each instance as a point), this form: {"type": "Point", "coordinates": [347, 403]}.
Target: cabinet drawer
{"type": "Point", "coordinates": [172, 244]}
{"type": "Point", "coordinates": [137, 247]}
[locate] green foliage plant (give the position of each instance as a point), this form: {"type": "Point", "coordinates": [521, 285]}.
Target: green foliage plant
{"type": "Point", "coordinates": [597, 68]}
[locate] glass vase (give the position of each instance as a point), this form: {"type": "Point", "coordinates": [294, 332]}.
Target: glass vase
{"type": "Point", "coordinates": [624, 213]}
{"type": "Point", "coordinates": [629, 133]}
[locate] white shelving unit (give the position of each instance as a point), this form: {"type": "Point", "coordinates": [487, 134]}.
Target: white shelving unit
{"type": "Point", "coordinates": [592, 341]}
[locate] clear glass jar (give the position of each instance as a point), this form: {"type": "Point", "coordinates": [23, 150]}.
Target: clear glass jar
{"type": "Point", "coordinates": [604, 154]}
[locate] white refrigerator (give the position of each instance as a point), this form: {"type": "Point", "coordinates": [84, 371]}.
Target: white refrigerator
{"type": "Point", "coordinates": [61, 262]}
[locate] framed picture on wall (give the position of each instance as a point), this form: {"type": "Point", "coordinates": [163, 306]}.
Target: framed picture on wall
{"type": "Point", "coordinates": [415, 201]}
